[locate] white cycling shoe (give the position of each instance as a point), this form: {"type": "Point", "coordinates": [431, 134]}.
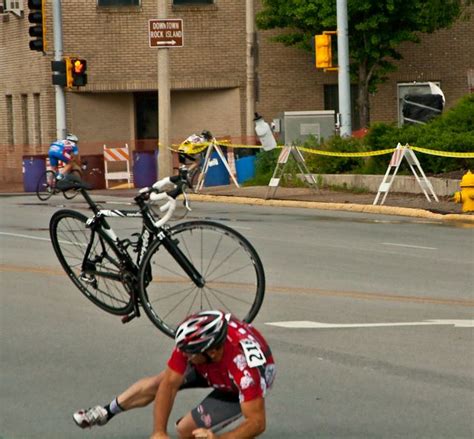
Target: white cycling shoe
{"type": "Point", "coordinates": [94, 416]}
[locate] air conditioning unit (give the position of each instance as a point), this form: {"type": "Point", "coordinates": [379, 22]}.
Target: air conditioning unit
{"type": "Point", "coordinates": [297, 126]}
{"type": "Point", "coordinates": [14, 6]}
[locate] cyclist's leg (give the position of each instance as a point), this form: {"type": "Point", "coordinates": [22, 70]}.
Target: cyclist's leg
{"type": "Point", "coordinates": [139, 394]}
{"type": "Point", "coordinates": [215, 412]}
{"type": "Point", "coordinates": [54, 161]}
{"type": "Point", "coordinates": [67, 166]}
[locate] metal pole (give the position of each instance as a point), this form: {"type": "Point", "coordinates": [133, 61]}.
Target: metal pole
{"type": "Point", "coordinates": [250, 27]}
{"type": "Point", "coordinates": [343, 72]}
{"type": "Point", "coordinates": [58, 55]}
{"type": "Point", "coordinates": [165, 165]}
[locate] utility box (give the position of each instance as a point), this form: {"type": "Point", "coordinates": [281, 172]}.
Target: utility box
{"type": "Point", "coordinates": [297, 126]}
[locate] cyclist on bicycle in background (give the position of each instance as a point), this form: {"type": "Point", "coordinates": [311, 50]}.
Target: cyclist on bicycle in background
{"type": "Point", "coordinates": [215, 350]}
{"type": "Point", "coordinates": [66, 151]}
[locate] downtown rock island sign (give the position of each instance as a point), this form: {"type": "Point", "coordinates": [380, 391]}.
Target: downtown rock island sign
{"type": "Point", "coordinates": [166, 32]}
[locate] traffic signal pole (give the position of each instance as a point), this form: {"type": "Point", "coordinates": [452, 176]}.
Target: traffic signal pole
{"type": "Point", "coordinates": [343, 72]}
{"type": "Point", "coordinates": [58, 56]}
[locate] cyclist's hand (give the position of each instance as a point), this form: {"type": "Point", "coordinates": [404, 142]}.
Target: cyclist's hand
{"type": "Point", "coordinates": [203, 433]}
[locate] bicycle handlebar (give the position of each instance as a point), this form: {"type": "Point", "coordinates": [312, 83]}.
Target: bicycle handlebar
{"type": "Point", "coordinates": [180, 182]}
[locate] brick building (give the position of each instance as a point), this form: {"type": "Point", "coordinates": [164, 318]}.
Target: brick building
{"type": "Point", "coordinates": [208, 76]}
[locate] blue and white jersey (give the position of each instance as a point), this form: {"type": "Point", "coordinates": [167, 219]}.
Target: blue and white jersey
{"type": "Point", "coordinates": [64, 148]}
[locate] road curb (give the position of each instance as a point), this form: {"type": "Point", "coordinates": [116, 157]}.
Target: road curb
{"type": "Point", "coordinates": [362, 208]}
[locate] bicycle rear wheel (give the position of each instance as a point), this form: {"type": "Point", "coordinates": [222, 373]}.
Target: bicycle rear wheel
{"type": "Point", "coordinates": [71, 193]}
{"type": "Point", "coordinates": [45, 186]}
{"type": "Point", "coordinates": [103, 283]}
{"type": "Point", "coordinates": [233, 273]}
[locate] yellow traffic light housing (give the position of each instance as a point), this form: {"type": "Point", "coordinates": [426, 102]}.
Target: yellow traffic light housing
{"type": "Point", "coordinates": [76, 72]}
{"type": "Point", "coordinates": [323, 51]}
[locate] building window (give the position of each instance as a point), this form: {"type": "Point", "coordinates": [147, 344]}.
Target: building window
{"type": "Point", "coordinates": [10, 131]}
{"type": "Point", "coordinates": [193, 2]}
{"type": "Point", "coordinates": [411, 88]}
{"type": "Point", "coordinates": [24, 113]}
{"type": "Point", "coordinates": [331, 102]}
{"type": "Point", "coordinates": [37, 116]}
{"type": "Point", "coordinates": [118, 2]}
{"type": "Point", "coordinates": [146, 119]}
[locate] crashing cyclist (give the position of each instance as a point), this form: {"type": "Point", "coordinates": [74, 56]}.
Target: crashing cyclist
{"type": "Point", "coordinates": [214, 350]}
{"type": "Point", "coordinates": [66, 151]}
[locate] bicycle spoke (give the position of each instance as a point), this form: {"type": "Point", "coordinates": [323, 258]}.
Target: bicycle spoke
{"type": "Point", "coordinates": [228, 273]}
{"type": "Point", "coordinates": [102, 282]}
{"type": "Point", "coordinates": [222, 256]}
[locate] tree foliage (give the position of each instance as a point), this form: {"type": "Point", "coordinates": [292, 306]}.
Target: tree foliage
{"type": "Point", "coordinates": [376, 29]}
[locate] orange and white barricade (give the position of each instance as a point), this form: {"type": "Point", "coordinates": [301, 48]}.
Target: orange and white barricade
{"type": "Point", "coordinates": [117, 155]}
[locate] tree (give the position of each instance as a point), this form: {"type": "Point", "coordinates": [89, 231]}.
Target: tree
{"type": "Point", "coordinates": [376, 29]}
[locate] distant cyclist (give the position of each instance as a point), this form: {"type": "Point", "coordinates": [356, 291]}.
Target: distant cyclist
{"type": "Point", "coordinates": [215, 350]}
{"type": "Point", "coordinates": [66, 151]}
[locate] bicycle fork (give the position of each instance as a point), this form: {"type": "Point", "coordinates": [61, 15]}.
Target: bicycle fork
{"type": "Point", "coordinates": [182, 260]}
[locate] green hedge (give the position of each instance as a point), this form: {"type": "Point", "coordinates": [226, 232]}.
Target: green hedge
{"type": "Point", "coordinates": [453, 131]}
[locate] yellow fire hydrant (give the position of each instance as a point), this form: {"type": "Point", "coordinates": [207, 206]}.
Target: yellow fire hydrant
{"type": "Point", "coordinates": [466, 194]}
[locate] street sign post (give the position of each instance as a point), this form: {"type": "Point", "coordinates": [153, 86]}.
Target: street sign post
{"type": "Point", "coordinates": [165, 33]}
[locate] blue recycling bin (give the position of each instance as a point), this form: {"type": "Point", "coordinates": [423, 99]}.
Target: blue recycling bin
{"type": "Point", "coordinates": [145, 171]}
{"type": "Point", "coordinates": [33, 168]}
{"type": "Point", "coordinates": [245, 167]}
{"type": "Point", "coordinates": [217, 174]}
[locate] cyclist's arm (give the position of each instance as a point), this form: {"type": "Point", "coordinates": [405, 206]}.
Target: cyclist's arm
{"type": "Point", "coordinates": [253, 424]}
{"type": "Point", "coordinates": [164, 402]}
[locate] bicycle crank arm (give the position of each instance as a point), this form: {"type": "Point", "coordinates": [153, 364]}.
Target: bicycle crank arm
{"type": "Point", "coordinates": [111, 276]}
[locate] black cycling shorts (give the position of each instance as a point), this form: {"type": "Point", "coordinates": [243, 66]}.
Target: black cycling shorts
{"type": "Point", "coordinates": [216, 410]}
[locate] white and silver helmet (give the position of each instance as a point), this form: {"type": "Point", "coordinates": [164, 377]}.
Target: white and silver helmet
{"type": "Point", "coordinates": [72, 138]}
{"type": "Point", "coordinates": [201, 331]}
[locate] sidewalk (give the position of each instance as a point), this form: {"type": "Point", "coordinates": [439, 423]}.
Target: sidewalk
{"type": "Point", "coordinates": [395, 204]}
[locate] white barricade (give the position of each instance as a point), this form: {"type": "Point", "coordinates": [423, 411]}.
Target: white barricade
{"type": "Point", "coordinates": [117, 155]}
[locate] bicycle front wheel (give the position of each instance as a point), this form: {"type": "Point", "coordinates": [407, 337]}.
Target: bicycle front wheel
{"type": "Point", "coordinates": [103, 281]}
{"type": "Point", "coordinates": [232, 270]}
{"type": "Point", "coordinates": [45, 185]}
{"type": "Point", "coordinates": [71, 193]}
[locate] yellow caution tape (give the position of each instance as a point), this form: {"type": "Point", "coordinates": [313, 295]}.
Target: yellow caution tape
{"type": "Point", "coordinates": [347, 154]}
{"type": "Point", "coordinates": [196, 148]}
{"type": "Point", "coordinates": [443, 153]}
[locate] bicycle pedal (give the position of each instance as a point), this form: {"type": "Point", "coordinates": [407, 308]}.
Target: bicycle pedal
{"type": "Point", "coordinates": [127, 318]}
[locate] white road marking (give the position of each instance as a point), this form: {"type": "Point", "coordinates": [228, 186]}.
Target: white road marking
{"type": "Point", "coordinates": [320, 325]}
{"type": "Point", "coordinates": [17, 235]}
{"type": "Point", "coordinates": [409, 246]}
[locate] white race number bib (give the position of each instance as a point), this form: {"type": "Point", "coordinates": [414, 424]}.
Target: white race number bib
{"type": "Point", "coordinates": [253, 353]}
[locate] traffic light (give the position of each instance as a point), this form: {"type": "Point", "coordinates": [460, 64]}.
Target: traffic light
{"type": "Point", "coordinates": [60, 78]}
{"type": "Point", "coordinates": [37, 18]}
{"type": "Point", "coordinates": [323, 51]}
{"type": "Point", "coordinates": [76, 70]}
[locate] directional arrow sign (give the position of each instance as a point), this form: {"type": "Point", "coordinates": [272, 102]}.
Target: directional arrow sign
{"type": "Point", "coordinates": [320, 325]}
{"type": "Point", "coordinates": [167, 32]}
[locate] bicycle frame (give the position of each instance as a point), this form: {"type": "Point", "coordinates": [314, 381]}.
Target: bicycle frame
{"type": "Point", "coordinates": [150, 232]}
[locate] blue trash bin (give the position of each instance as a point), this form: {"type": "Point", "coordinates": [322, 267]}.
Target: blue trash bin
{"type": "Point", "coordinates": [144, 168]}
{"type": "Point", "coordinates": [33, 168]}
{"type": "Point", "coordinates": [245, 167]}
{"type": "Point", "coordinates": [217, 174]}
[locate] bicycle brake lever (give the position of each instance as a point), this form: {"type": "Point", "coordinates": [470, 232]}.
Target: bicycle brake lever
{"type": "Point", "coordinates": [186, 202]}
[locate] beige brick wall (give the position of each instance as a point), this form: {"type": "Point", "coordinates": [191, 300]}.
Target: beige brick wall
{"type": "Point", "coordinates": [208, 75]}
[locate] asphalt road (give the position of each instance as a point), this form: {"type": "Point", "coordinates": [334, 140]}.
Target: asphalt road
{"type": "Point", "coordinates": [403, 369]}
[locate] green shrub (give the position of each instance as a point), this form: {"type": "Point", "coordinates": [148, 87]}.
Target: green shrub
{"type": "Point", "coordinates": [453, 131]}
{"type": "Point", "coordinates": [322, 164]}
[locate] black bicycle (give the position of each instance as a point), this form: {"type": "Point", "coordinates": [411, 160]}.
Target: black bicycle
{"type": "Point", "coordinates": [47, 185]}
{"type": "Point", "coordinates": [176, 271]}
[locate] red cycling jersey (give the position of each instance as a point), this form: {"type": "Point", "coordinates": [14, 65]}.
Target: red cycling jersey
{"type": "Point", "coordinates": [246, 368]}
